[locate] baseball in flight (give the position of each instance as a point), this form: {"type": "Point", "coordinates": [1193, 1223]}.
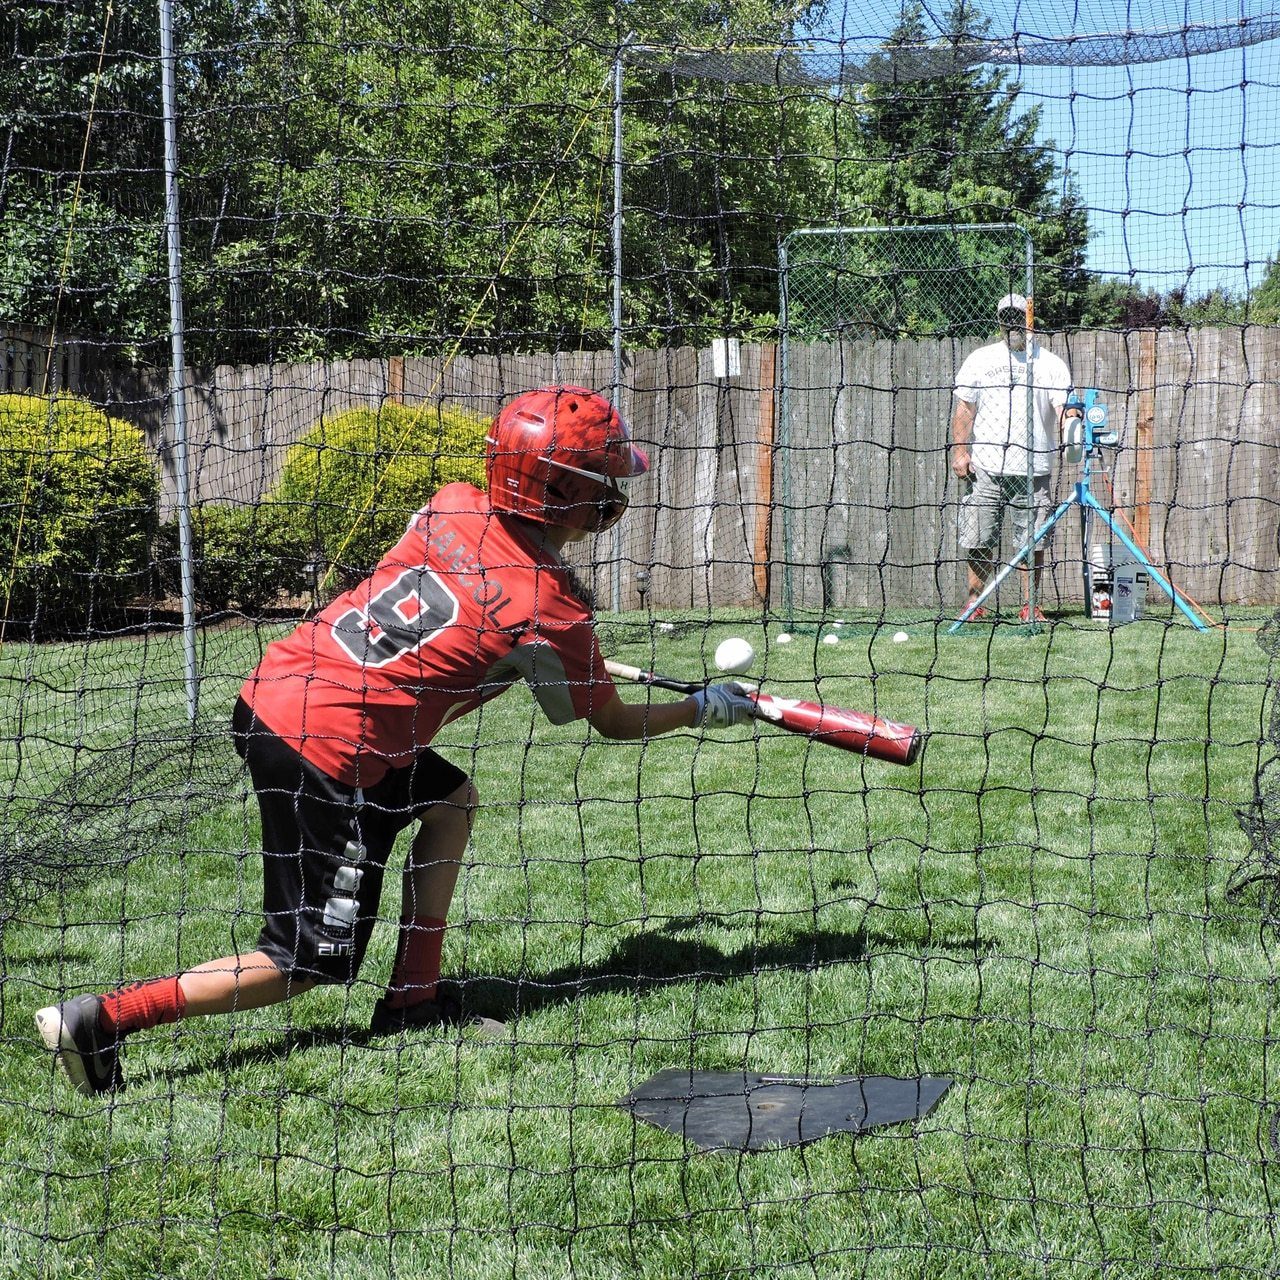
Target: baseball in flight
{"type": "Point", "coordinates": [734, 656]}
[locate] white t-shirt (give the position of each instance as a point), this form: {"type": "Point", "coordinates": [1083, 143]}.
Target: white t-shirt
{"type": "Point", "coordinates": [994, 380]}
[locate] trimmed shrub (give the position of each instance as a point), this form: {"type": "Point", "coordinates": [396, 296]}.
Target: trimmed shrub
{"type": "Point", "coordinates": [354, 480]}
{"type": "Point", "coordinates": [78, 503]}
{"type": "Point", "coordinates": [243, 557]}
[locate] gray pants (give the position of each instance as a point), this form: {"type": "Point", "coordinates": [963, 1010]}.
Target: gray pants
{"type": "Point", "coordinates": [982, 510]}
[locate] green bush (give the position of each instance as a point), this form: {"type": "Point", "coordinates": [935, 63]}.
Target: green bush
{"type": "Point", "coordinates": [354, 480]}
{"type": "Point", "coordinates": [243, 557]}
{"type": "Point", "coordinates": [78, 503]}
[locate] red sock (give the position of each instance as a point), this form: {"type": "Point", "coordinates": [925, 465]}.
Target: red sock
{"type": "Point", "coordinates": [141, 1005]}
{"type": "Point", "coordinates": [417, 967]}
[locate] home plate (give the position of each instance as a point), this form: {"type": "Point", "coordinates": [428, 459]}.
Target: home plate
{"type": "Point", "coordinates": [744, 1111]}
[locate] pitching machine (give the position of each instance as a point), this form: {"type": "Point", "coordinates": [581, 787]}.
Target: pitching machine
{"type": "Point", "coordinates": [1096, 436]}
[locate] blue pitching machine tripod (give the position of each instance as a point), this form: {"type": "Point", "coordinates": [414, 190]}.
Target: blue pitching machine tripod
{"type": "Point", "coordinates": [1097, 435]}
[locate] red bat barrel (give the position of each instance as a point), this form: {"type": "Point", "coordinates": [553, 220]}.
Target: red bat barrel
{"type": "Point", "coordinates": [839, 727]}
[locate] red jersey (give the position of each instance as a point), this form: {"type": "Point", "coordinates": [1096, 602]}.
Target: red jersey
{"type": "Point", "coordinates": [466, 603]}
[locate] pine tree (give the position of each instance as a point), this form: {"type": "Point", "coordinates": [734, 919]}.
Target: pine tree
{"type": "Point", "coordinates": [957, 149]}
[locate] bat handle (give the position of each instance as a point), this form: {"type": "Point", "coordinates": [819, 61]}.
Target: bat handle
{"type": "Point", "coordinates": [637, 675]}
{"type": "Point", "coordinates": [624, 672]}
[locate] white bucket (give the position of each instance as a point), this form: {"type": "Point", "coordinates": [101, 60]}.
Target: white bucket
{"type": "Point", "coordinates": [1128, 591]}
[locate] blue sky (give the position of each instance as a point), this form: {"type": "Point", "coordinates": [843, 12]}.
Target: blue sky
{"type": "Point", "coordinates": [1178, 161]}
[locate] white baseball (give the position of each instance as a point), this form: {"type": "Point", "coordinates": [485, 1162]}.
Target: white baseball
{"type": "Point", "coordinates": [734, 656]}
{"type": "Point", "coordinates": [900, 636]}
{"type": "Point", "coordinates": [830, 639]}
{"type": "Point", "coordinates": [784, 637]}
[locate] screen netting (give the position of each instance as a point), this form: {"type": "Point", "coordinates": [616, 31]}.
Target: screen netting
{"type": "Point", "coordinates": [914, 287]}
{"type": "Point", "coordinates": [772, 235]}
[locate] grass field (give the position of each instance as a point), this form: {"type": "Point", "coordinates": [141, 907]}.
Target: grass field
{"type": "Point", "coordinates": [1035, 909]}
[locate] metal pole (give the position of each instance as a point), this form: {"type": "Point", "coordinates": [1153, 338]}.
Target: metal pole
{"type": "Point", "coordinates": [1029, 286]}
{"type": "Point", "coordinates": [783, 426]}
{"type": "Point", "coordinates": [178, 369]}
{"type": "Point", "coordinates": [615, 572]}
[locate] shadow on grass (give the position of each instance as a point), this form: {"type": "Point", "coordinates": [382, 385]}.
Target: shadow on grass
{"type": "Point", "coordinates": [639, 964]}
{"type": "Point", "coordinates": [657, 959]}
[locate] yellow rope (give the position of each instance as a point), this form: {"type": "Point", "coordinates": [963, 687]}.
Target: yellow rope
{"type": "Point", "coordinates": [591, 244]}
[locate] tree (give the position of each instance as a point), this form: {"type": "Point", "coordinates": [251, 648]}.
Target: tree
{"type": "Point", "coordinates": [956, 150]}
{"type": "Point", "coordinates": [81, 245]}
{"type": "Point", "coordinates": [1112, 304]}
{"type": "Point", "coordinates": [1117, 305]}
{"type": "Point", "coordinates": [1264, 301]}
{"type": "Point", "coordinates": [398, 182]}
{"type": "Point", "coordinates": [360, 178]}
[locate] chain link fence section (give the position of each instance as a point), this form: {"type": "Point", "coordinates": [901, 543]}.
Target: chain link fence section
{"type": "Point", "coordinates": [872, 290]}
{"type": "Point", "coordinates": [851, 283]}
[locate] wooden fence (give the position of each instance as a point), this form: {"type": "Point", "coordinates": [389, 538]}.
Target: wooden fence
{"type": "Point", "coordinates": [824, 484]}
{"type": "Point", "coordinates": [871, 505]}
{"type": "Point", "coordinates": [30, 362]}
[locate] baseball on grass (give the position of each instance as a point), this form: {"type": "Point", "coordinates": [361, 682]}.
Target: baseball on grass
{"type": "Point", "coordinates": [734, 656]}
{"type": "Point", "coordinates": [784, 637]}
{"type": "Point", "coordinates": [831, 639]}
{"type": "Point", "coordinates": [900, 636]}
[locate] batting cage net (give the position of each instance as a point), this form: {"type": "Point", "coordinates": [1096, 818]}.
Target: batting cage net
{"type": "Point", "coordinates": [532, 743]}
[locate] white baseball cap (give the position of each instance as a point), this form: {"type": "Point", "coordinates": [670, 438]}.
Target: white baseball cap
{"type": "Point", "coordinates": [1012, 302]}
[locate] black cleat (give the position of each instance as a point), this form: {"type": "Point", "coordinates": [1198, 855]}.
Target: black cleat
{"type": "Point", "coordinates": [85, 1053]}
{"type": "Point", "coordinates": [444, 1011]}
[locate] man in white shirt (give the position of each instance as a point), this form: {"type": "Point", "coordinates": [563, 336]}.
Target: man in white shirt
{"type": "Point", "coordinates": [989, 439]}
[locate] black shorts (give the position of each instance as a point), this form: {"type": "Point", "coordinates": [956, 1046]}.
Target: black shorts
{"type": "Point", "coordinates": [325, 847]}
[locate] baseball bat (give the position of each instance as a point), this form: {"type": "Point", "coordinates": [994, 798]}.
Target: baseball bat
{"type": "Point", "coordinates": [855, 731]}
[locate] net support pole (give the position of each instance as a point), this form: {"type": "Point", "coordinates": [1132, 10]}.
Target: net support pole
{"type": "Point", "coordinates": [782, 427]}
{"type": "Point", "coordinates": [178, 365]}
{"type": "Point", "coordinates": [1030, 340]}
{"type": "Point", "coordinates": [615, 566]}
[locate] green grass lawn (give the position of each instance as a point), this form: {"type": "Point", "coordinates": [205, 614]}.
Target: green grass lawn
{"type": "Point", "coordinates": [1035, 909]}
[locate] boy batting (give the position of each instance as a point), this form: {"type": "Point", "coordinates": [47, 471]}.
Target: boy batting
{"type": "Point", "coordinates": [337, 720]}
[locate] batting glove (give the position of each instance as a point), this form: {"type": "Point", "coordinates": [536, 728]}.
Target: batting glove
{"type": "Point", "coordinates": [720, 706]}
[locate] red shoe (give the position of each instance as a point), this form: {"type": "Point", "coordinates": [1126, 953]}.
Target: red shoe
{"type": "Point", "coordinates": [1024, 614]}
{"type": "Point", "coordinates": [979, 612]}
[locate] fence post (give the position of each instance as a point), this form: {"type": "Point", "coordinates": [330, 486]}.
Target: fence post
{"type": "Point", "coordinates": [764, 492]}
{"type": "Point", "coordinates": [1145, 437]}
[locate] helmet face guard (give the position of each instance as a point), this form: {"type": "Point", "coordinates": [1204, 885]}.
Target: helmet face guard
{"type": "Point", "coordinates": [562, 456]}
{"type": "Point", "coordinates": [601, 500]}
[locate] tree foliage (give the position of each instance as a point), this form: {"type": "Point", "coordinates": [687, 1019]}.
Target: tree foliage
{"type": "Point", "coordinates": [81, 242]}
{"type": "Point", "coordinates": [958, 150]}
{"type": "Point", "coordinates": [1265, 308]}
{"type": "Point", "coordinates": [363, 178]}
{"type": "Point", "coordinates": [1115, 304]}
{"type": "Point", "coordinates": [358, 178]}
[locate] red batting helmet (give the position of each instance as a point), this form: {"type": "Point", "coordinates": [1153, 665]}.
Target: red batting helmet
{"type": "Point", "coordinates": [562, 456]}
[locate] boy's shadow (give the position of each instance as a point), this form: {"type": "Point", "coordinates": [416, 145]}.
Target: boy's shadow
{"type": "Point", "coordinates": [639, 964]}
{"type": "Point", "coordinates": [645, 962]}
